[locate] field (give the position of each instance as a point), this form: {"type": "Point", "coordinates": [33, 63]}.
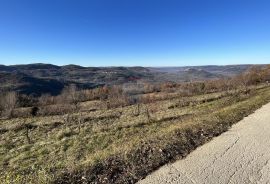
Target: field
{"type": "Point", "coordinates": [122, 144]}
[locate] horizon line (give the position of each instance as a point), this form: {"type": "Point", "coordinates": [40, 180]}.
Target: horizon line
{"type": "Point", "coordinates": [161, 66]}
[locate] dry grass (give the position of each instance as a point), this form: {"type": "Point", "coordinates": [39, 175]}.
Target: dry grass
{"type": "Point", "coordinates": [117, 145]}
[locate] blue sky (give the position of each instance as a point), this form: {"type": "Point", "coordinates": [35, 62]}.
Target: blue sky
{"type": "Point", "coordinates": [135, 32]}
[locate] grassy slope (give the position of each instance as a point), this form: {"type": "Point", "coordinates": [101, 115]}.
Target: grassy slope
{"type": "Point", "coordinates": [117, 146]}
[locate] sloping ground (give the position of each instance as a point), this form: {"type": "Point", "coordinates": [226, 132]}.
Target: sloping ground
{"type": "Point", "coordinates": [120, 145]}
{"type": "Point", "coordinates": [240, 155]}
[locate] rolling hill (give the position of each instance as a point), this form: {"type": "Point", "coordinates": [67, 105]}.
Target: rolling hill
{"type": "Point", "coordinates": [40, 78]}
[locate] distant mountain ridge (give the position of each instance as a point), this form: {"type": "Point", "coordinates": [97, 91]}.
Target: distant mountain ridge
{"type": "Point", "coordinates": [226, 70]}
{"type": "Point", "coordinates": [40, 78]}
{"type": "Point", "coordinates": [198, 74]}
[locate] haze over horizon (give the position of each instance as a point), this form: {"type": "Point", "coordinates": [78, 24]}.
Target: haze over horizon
{"type": "Point", "coordinates": [135, 32]}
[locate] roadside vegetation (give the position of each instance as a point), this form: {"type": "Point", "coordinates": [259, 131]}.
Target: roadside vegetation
{"type": "Point", "coordinates": [119, 134]}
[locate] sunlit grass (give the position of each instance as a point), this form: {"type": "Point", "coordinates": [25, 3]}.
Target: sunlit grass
{"type": "Point", "coordinates": [60, 146]}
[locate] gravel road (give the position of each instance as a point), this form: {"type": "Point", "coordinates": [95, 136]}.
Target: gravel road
{"type": "Point", "coordinates": [240, 155]}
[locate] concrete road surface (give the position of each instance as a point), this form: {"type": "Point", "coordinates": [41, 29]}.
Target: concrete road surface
{"type": "Point", "coordinates": [241, 155]}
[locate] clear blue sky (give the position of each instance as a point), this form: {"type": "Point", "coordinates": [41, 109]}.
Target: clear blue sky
{"type": "Point", "coordinates": [135, 32]}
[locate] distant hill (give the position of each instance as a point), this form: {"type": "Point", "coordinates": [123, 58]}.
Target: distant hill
{"type": "Point", "coordinates": [40, 78]}
{"type": "Point", "coordinates": [25, 84]}
{"type": "Point", "coordinates": [225, 70]}
{"type": "Point", "coordinates": [191, 74]}
{"type": "Point", "coordinates": [46, 78]}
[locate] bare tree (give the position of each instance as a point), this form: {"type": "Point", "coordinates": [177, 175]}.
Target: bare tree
{"type": "Point", "coordinates": [147, 113]}
{"type": "Point", "coordinates": [80, 121]}
{"type": "Point", "coordinates": [137, 113]}
{"type": "Point", "coordinates": [137, 102]}
{"type": "Point", "coordinates": [27, 129]}
{"type": "Point", "coordinates": [71, 95]}
{"type": "Point", "coordinates": [8, 103]}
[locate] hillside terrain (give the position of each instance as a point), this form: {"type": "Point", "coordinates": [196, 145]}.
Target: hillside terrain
{"type": "Point", "coordinates": [37, 79]}
{"type": "Point", "coordinates": [119, 145]}
{"type": "Point", "coordinates": [120, 133]}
